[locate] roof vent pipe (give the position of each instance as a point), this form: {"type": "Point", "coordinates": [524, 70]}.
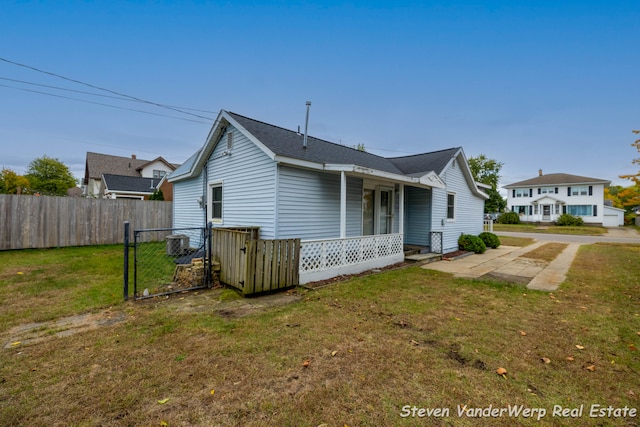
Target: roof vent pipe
{"type": "Point", "coordinates": [306, 126]}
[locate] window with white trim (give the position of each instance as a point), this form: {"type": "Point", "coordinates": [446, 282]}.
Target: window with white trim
{"type": "Point", "coordinates": [521, 192]}
{"type": "Point", "coordinates": [582, 190]}
{"type": "Point", "coordinates": [580, 210]}
{"type": "Point", "coordinates": [451, 206]}
{"type": "Point", "coordinates": [547, 190]}
{"type": "Point", "coordinates": [215, 202]}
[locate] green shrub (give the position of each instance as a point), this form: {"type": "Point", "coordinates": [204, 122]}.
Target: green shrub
{"type": "Point", "coordinates": [467, 242]}
{"type": "Point", "coordinates": [569, 220]}
{"type": "Point", "coordinates": [508, 218]}
{"type": "Point", "coordinates": [489, 239]}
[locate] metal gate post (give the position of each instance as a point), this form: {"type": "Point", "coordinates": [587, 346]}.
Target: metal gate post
{"type": "Point", "coordinates": [126, 260]}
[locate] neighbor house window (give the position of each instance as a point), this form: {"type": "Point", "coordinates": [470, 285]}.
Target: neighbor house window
{"type": "Point", "coordinates": [580, 190]}
{"type": "Point", "coordinates": [215, 207]}
{"type": "Point", "coordinates": [157, 174]}
{"type": "Point", "coordinates": [580, 210]}
{"type": "Point", "coordinates": [521, 192]}
{"type": "Point", "coordinates": [451, 206]}
{"type": "Point", "coordinates": [547, 190]}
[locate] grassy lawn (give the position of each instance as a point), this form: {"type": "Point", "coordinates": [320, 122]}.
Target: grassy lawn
{"type": "Point", "coordinates": [354, 353]}
{"type": "Point", "coordinates": [532, 228]}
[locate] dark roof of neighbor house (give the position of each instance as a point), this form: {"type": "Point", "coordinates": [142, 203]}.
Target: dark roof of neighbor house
{"type": "Point", "coordinates": [557, 179]}
{"type": "Point", "coordinates": [132, 184]}
{"type": "Point", "coordinates": [289, 143]}
{"type": "Point", "coordinates": [98, 164]}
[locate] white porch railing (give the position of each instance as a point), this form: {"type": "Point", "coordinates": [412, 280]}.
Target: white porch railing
{"type": "Point", "coordinates": [323, 259]}
{"type": "Point", "coordinates": [488, 225]}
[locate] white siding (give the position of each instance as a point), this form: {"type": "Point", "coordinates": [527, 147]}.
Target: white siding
{"type": "Point", "coordinates": [186, 209]}
{"type": "Point", "coordinates": [248, 179]}
{"type": "Point", "coordinates": [469, 209]}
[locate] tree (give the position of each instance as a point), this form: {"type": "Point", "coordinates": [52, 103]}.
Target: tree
{"type": "Point", "coordinates": [157, 195]}
{"type": "Point", "coordinates": [487, 171]}
{"type": "Point", "coordinates": [50, 176]}
{"type": "Point", "coordinates": [634, 177]}
{"type": "Point", "coordinates": [12, 183]}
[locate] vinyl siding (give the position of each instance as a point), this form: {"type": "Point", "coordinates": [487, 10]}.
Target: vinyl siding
{"type": "Point", "coordinates": [309, 204]}
{"type": "Point", "coordinates": [417, 216]}
{"type": "Point", "coordinates": [469, 208]}
{"type": "Point", "coordinates": [248, 178]}
{"type": "Point", "coordinates": [186, 209]}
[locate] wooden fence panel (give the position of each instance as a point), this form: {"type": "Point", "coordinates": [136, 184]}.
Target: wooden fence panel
{"type": "Point", "coordinates": [47, 221]}
{"type": "Point", "coordinates": [272, 265]}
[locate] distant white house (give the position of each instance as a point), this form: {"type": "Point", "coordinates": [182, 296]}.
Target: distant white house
{"type": "Point", "coordinates": [547, 196]}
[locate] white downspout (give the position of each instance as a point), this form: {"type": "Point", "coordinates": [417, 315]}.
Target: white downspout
{"type": "Point", "coordinates": [401, 210]}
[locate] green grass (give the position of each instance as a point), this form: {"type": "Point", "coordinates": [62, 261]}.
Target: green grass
{"type": "Point", "coordinates": [371, 345]}
{"type": "Point", "coordinates": [552, 229]}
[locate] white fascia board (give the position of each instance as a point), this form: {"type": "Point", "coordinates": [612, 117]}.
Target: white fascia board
{"type": "Point", "coordinates": [429, 180]}
{"type": "Point", "coordinates": [299, 163]}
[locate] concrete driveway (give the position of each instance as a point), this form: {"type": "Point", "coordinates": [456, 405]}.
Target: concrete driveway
{"type": "Point", "coordinates": [506, 262]}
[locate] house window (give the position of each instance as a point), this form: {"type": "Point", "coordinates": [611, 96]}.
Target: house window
{"type": "Point", "coordinates": [521, 210]}
{"type": "Point", "coordinates": [580, 210]}
{"type": "Point", "coordinates": [521, 192]}
{"type": "Point", "coordinates": [157, 174]}
{"type": "Point", "coordinates": [547, 190]}
{"type": "Point", "coordinates": [215, 205]}
{"type": "Point", "coordinates": [580, 190]}
{"type": "Point", "coordinates": [451, 206]}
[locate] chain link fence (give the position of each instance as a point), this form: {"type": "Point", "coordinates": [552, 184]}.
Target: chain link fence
{"type": "Point", "coordinates": [168, 260]}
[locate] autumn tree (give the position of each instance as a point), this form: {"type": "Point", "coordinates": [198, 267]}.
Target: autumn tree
{"type": "Point", "coordinates": [12, 183]}
{"type": "Point", "coordinates": [634, 177]}
{"type": "Point", "coordinates": [487, 171]}
{"type": "Point", "coordinates": [50, 176]}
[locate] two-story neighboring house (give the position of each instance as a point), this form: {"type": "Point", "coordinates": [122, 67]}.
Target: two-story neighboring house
{"type": "Point", "coordinates": [544, 198]}
{"type": "Point", "coordinates": [116, 177]}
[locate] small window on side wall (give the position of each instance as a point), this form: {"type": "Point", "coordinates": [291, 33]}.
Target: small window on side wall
{"type": "Point", "coordinates": [451, 206]}
{"type": "Point", "coordinates": [215, 213]}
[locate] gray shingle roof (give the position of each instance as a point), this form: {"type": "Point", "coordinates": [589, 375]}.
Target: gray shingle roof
{"type": "Point", "coordinates": [289, 143]}
{"type": "Point", "coordinates": [130, 183]}
{"type": "Point", "coordinates": [557, 179]}
{"type": "Point", "coordinates": [99, 164]}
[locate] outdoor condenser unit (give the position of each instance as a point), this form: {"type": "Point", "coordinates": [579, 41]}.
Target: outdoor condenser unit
{"type": "Point", "coordinates": [177, 244]}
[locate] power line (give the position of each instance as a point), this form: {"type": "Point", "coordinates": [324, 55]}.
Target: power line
{"type": "Point", "coordinates": [105, 105]}
{"type": "Point", "coordinates": [103, 89]}
{"type": "Point", "coordinates": [93, 93]}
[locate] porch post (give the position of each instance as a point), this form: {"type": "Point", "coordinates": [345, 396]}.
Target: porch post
{"type": "Point", "coordinates": [401, 210]}
{"type": "Point", "coordinates": [343, 205]}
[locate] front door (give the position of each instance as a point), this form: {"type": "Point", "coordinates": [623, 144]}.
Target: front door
{"type": "Point", "coordinates": [546, 212]}
{"type": "Point", "coordinates": [377, 211]}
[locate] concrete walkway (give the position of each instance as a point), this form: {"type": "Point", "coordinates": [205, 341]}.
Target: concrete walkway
{"type": "Point", "coordinates": [506, 263]}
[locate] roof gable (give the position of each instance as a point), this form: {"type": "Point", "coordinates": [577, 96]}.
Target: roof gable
{"type": "Point", "coordinates": [130, 184]}
{"type": "Point", "coordinates": [99, 164]}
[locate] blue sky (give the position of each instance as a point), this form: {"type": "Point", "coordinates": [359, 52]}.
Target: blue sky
{"type": "Point", "coordinates": [549, 85]}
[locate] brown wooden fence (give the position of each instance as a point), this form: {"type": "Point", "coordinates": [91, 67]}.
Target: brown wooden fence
{"type": "Point", "coordinates": [47, 221]}
{"type": "Point", "coordinates": [255, 265]}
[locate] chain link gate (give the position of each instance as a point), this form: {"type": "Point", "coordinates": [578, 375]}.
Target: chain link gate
{"type": "Point", "coordinates": [168, 260]}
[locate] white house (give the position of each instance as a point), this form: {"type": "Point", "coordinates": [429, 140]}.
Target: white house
{"type": "Point", "coordinates": [544, 198]}
{"type": "Point", "coordinates": [254, 174]}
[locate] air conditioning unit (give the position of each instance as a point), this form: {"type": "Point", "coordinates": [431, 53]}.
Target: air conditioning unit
{"type": "Point", "coordinates": [177, 244]}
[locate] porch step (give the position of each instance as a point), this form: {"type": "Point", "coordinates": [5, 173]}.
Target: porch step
{"type": "Point", "coordinates": [423, 258]}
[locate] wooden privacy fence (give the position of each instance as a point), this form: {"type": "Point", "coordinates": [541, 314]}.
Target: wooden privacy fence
{"type": "Point", "coordinates": [255, 265]}
{"type": "Point", "coordinates": [47, 221]}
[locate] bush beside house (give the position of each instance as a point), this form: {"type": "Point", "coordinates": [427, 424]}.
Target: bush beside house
{"type": "Point", "coordinates": [468, 242]}
{"type": "Point", "coordinates": [490, 240]}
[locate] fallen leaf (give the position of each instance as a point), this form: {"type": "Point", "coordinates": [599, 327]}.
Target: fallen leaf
{"type": "Point", "coordinates": [306, 363]}
{"type": "Point", "coordinates": [546, 360]}
{"type": "Point", "coordinates": [590, 368]}
{"type": "Point", "coordinates": [13, 344]}
{"type": "Point", "coordinates": [20, 272]}
{"type": "Point", "coordinates": [523, 333]}
{"type": "Point", "coordinates": [579, 347]}
{"type": "Point", "coordinates": [638, 333]}
{"type": "Point", "coordinates": [631, 393]}
{"type": "Point", "coordinates": [632, 347]}
{"type": "Point", "coordinates": [334, 352]}
{"type": "Point", "coordinates": [502, 372]}
{"type": "Point", "coordinates": [570, 358]}
{"type": "Point", "coordinates": [164, 424]}
{"type": "Point", "coordinates": [414, 342]}
{"type": "Point", "coordinates": [163, 401]}
{"type": "Point", "coordinates": [212, 392]}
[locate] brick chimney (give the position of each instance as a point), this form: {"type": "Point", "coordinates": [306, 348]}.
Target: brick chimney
{"type": "Point", "coordinates": [539, 171]}
{"type": "Point", "coordinates": [133, 156]}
